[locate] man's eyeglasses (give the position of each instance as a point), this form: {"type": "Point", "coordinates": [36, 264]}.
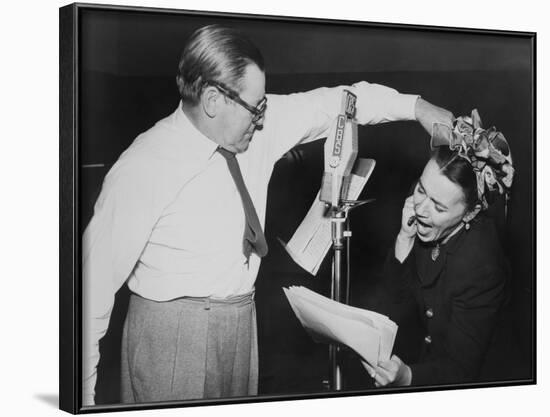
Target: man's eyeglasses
{"type": "Point", "coordinates": [257, 112]}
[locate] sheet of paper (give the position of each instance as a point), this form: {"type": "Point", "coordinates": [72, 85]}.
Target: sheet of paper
{"type": "Point", "coordinates": [313, 238]}
{"type": "Point", "coordinates": [386, 327]}
{"type": "Point", "coordinates": [326, 325]}
{"type": "Point", "coordinates": [369, 333]}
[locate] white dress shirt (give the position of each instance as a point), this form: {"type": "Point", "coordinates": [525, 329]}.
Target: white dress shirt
{"type": "Point", "coordinates": [169, 220]}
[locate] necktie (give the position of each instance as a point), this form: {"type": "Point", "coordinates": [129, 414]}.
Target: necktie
{"type": "Point", "coordinates": [253, 239]}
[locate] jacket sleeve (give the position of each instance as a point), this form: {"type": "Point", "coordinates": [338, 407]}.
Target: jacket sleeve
{"type": "Point", "coordinates": [111, 245]}
{"type": "Point", "coordinates": [397, 276]}
{"type": "Point", "coordinates": [474, 311]}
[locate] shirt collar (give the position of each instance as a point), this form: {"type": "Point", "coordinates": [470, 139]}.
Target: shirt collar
{"type": "Point", "coordinates": [200, 144]}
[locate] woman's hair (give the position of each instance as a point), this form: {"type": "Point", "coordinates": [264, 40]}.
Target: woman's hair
{"type": "Point", "coordinates": [459, 171]}
{"type": "Point", "coordinates": [215, 53]}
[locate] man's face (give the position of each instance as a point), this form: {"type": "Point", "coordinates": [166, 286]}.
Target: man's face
{"type": "Point", "coordinates": [236, 126]}
{"type": "Point", "coordinates": [438, 204]}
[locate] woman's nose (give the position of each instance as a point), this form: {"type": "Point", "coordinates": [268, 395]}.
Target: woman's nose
{"type": "Point", "coordinates": [421, 207]}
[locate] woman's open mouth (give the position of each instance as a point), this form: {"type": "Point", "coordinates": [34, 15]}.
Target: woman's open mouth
{"type": "Point", "coordinates": [423, 228]}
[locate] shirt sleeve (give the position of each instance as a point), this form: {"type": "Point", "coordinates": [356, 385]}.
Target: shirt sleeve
{"type": "Point", "coordinates": [474, 312]}
{"type": "Point", "coordinates": [115, 237]}
{"type": "Point", "coordinates": [304, 117]}
{"type": "Point", "coordinates": [380, 104]}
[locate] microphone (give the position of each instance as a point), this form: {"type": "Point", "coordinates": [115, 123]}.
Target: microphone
{"type": "Point", "coordinates": [341, 149]}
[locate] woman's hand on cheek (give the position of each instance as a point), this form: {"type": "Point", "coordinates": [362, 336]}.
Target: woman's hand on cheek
{"type": "Point", "coordinates": [408, 226]}
{"type": "Point", "coordinates": [407, 234]}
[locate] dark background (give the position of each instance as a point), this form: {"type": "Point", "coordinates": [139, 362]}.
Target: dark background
{"type": "Point", "coordinates": [127, 68]}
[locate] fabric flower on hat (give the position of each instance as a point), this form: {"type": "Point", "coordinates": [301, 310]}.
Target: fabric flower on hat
{"type": "Point", "coordinates": [487, 150]}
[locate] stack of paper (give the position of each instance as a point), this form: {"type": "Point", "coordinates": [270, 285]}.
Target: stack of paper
{"type": "Point", "coordinates": [368, 333]}
{"type": "Point", "coordinates": [313, 238]}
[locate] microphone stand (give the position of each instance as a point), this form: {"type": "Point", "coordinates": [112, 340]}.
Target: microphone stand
{"type": "Point", "coordinates": [340, 154]}
{"type": "Point", "coordinates": [337, 220]}
{"type": "Point", "coordinates": [341, 234]}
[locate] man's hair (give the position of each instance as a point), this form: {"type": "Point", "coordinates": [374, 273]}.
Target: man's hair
{"type": "Point", "coordinates": [215, 53]}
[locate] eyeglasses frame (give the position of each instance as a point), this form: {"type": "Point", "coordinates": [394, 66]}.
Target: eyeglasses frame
{"type": "Point", "coordinates": [257, 112]}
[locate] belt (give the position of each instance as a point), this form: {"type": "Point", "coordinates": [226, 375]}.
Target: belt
{"type": "Point", "coordinates": [234, 300]}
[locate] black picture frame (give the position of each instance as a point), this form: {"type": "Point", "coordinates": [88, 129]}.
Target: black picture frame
{"type": "Point", "coordinates": [74, 22]}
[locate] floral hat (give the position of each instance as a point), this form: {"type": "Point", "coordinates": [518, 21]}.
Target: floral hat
{"type": "Point", "coordinates": [487, 150]}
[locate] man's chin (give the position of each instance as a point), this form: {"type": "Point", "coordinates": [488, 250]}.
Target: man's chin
{"type": "Point", "coordinates": [242, 147]}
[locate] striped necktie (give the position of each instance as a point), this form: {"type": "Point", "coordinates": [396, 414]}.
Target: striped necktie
{"type": "Point", "coordinates": [253, 239]}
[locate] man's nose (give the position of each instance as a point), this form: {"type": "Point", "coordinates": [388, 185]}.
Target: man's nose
{"type": "Point", "coordinates": [259, 125]}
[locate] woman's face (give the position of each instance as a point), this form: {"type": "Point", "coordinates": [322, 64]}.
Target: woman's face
{"type": "Point", "coordinates": [438, 204]}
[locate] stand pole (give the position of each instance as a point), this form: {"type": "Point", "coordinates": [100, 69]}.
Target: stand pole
{"type": "Point", "coordinates": [338, 219]}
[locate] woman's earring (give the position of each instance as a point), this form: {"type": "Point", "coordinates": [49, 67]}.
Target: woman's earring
{"type": "Point", "coordinates": [470, 216]}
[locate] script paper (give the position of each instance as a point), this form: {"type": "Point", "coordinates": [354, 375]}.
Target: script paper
{"type": "Point", "coordinates": [313, 238]}
{"type": "Point", "coordinates": [370, 334]}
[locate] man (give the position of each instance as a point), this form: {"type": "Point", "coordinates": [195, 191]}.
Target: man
{"type": "Point", "coordinates": [171, 214]}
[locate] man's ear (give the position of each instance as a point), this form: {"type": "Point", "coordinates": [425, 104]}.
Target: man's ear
{"type": "Point", "coordinates": [210, 101]}
{"type": "Point", "coordinates": [468, 217]}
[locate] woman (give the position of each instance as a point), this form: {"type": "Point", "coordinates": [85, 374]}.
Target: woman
{"type": "Point", "coordinates": [447, 256]}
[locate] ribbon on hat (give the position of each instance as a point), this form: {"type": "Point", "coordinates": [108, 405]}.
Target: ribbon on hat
{"type": "Point", "coordinates": [487, 150]}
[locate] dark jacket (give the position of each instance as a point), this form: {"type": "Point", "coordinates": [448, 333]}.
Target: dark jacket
{"type": "Point", "coordinates": [457, 297]}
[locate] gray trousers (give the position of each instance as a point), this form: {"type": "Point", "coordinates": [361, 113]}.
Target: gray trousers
{"type": "Point", "coordinates": [189, 348]}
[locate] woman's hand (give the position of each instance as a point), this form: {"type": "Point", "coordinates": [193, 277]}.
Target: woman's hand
{"type": "Point", "coordinates": [405, 238]}
{"type": "Point", "coordinates": [427, 114]}
{"type": "Point", "coordinates": [390, 373]}
{"type": "Point", "coordinates": [408, 221]}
